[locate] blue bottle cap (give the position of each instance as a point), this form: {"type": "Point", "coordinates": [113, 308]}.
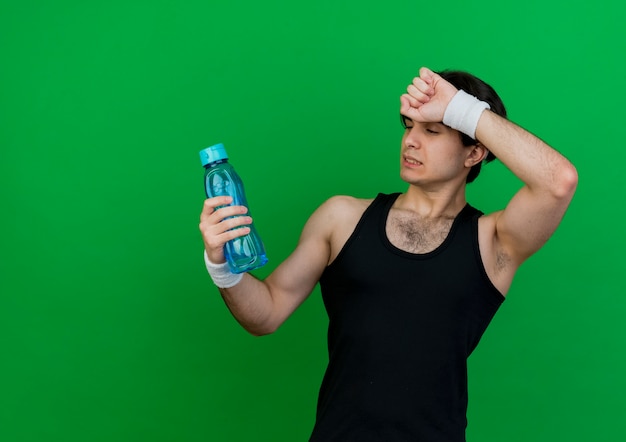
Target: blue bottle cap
{"type": "Point", "coordinates": [213, 154]}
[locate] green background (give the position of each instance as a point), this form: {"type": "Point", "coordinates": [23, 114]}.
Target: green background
{"type": "Point", "coordinates": [110, 329]}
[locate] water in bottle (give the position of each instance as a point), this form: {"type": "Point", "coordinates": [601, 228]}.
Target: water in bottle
{"type": "Point", "coordinates": [246, 252]}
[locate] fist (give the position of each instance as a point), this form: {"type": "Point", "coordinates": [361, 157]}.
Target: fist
{"type": "Point", "coordinates": [221, 222]}
{"type": "Point", "coordinates": [427, 97]}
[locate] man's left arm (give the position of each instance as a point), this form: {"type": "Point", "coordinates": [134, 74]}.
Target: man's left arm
{"type": "Point", "coordinates": [535, 211]}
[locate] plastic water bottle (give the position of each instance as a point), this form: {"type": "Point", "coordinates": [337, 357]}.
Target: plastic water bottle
{"type": "Point", "coordinates": [246, 252]}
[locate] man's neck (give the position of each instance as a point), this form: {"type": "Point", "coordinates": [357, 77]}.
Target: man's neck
{"type": "Point", "coordinates": [445, 202]}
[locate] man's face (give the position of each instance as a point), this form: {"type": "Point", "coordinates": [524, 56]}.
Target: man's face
{"type": "Point", "coordinates": [432, 153]}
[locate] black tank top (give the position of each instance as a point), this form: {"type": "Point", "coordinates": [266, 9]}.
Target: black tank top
{"type": "Point", "coordinates": [401, 327]}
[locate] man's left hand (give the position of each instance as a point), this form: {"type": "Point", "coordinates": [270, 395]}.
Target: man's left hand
{"type": "Point", "coordinates": [427, 97]}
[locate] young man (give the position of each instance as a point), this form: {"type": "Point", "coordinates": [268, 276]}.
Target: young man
{"type": "Point", "coordinates": [410, 281]}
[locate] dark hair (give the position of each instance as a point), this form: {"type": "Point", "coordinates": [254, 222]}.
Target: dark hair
{"type": "Point", "coordinates": [481, 90]}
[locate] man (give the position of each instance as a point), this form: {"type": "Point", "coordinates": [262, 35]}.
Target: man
{"type": "Point", "coordinates": [410, 281]}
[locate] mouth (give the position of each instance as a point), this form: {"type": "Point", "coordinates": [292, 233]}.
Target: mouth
{"type": "Point", "coordinates": [411, 162]}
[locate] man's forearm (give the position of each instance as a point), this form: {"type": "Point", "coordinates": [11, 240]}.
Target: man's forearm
{"type": "Point", "coordinates": [250, 302]}
{"type": "Point", "coordinates": [538, 165]}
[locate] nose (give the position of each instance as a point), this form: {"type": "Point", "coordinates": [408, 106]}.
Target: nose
{"type": "Point", "coordinates": [411, 138]}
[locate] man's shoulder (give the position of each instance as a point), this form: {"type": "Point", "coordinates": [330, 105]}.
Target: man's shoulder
{"type": "Point", "coordinates": [344, 207]}
{"type": "Point", "coordinates": [348, 202]}
{"type": "Point", "coordinates": [336, 219]}
{"type": "Point", "coordinates": [342, 210]}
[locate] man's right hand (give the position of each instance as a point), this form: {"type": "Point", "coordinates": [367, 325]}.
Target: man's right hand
{"type": "Point", "coordinates": [218, 222]}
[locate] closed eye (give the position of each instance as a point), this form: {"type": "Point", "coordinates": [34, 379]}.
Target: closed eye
{"type": "Point", "coordinates": [435, 128]}
{"type": "Point", "coordinates": [407, 123]}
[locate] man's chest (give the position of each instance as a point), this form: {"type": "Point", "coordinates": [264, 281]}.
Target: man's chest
{"type": "Point", "coordinates": [415, 234]}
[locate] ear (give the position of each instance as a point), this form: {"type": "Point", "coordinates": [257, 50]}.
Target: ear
{"type": "Point", "coordinates": [477, 153]}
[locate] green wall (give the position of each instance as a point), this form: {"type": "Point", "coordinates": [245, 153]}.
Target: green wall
{"type": "Point", "coordinates": [110, 329]}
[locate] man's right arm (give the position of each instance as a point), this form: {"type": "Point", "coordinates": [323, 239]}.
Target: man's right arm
{"type": "Point", "coordinates": [261, 306]}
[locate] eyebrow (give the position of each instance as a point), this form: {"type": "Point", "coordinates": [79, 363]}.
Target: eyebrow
{"type": "Point", "coordinates": [404, 119]}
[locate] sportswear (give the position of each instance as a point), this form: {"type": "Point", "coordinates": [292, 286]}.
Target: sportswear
{"type": "Point", "coordinates": [401, 327]}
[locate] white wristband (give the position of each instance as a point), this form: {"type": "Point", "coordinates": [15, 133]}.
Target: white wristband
{"type": "Point", "coordinates": [221, 274]}
{"type": "Point", "coordinates": [463, 113]}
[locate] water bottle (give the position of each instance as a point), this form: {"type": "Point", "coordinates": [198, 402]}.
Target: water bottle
{"type": "Point", "coordinates": [246, 252]}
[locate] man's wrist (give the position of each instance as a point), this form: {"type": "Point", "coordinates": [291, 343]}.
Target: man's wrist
{"type": "Point", "coordinates": [463, 113]}
{"type": "Point", "coordinates": [221, 274]}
